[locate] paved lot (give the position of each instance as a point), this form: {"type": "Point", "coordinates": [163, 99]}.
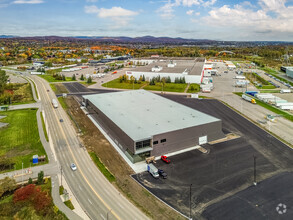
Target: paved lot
{"type": "Point", "coordinates": [227, 169]}
{"type": "Point", "coordinates": [258, 202]}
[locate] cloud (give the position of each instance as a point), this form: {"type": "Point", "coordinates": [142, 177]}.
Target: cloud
{"type": "Point", "coordinates": [119, 15]}
{"type": "Point", "coordinates": [249, 20]}
{"type": "Point", "coordinates": [189, 12]}
{"type": "Point", "coordinates": [28, 2]}
{"type": "Point", "coordinates": [167, 10]}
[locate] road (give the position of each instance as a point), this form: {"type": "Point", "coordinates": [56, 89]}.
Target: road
{"type": "Point", "coordinates": [96, 195]}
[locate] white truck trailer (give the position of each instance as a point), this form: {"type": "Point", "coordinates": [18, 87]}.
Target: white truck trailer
{"type": "Point", "coordinates": [249, 99]}
{"type": "Point", "coordinates": [285, 91]}
{"type": "Point", "coordinates": [153, 170]}
{"type": "Point", "coordinates": [54, 103]}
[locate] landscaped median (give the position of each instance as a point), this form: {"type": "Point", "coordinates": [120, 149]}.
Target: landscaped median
{"type": "Point", "coordinates": [155, 85]}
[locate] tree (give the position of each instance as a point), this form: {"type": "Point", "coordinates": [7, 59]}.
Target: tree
{"type": "Point", "coordinates": [63, 78]}
{"type": "Point", "coordinates": [30, 181]}
{"type": "Point", "coordinates": [81, 77]}
{"type": "Point", "coordinates": [7, 185]}
{"type": "Point", "coordinates": [168, 80]}
{"type": "Point", "coordinates": [89, 80]}
{"type": "Point", "coordinates": [40, 177]}
{"type": "Point", "coordinates": [48, 64]}
{"type": "Point", "coordinates": [73, 77]}
{"type": "Point", "coordinates": [3, 80]}
{"type": "Point", "coordinates": [143, 78]}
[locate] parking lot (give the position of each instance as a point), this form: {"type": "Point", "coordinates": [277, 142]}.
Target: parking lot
{"type": "Point", "coordinates": [226, 170]}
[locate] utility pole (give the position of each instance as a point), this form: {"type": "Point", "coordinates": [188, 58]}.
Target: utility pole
{"type": "Point", "coordinates": [22, 173]}
{"type": "Point", "coordinates": [61, 174]}
{"type": "Point", "coordinates": [190, 203]}
{"type": "Point", "coordinates": [108, 214]}
{"type": "Point", "coordinates": [254, 159]}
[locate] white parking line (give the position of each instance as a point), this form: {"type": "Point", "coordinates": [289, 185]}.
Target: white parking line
{"type": "Point", "coordinates": [102, 216]}
{"type": "Point", "coordinates": [90, 201]}
{"type": "Point", "coordinates": [79, 187]}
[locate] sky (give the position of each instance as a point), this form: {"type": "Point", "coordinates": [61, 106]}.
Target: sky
{"type": "Point", "coordinates": [239, 20]}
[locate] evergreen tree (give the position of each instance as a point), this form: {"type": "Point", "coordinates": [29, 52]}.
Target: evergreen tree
{"type": "Point", "coordinates": [63, 78]}
{"type": "Point", "coordinates": [82, 77]}
{"type": "Point", "coordinates": [73, 77]}
{"type": "Point", "coordinates": [40, 177]}
{"type": "Point", "coordinates": [30, 181]}
{"type": "Point", "coordinates": [89, 80]}
{"type": "Point", "coordinates": [143, 78]}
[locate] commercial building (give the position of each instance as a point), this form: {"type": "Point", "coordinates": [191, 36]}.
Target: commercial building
{"type": "Point", "coordinates": [190, 69]}
{"type": "Point", "coordinates": [289, 71]}
{"type": "Point", "coordinates": [143, 124]}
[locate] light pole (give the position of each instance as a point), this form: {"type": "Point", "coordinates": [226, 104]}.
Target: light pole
{"type": "Point", "coordinates": [108, 214]}
{"type": "Point", "coordinates": [61, 174]}
{"type": "Point", "coordinates": [254, 160]}
{"type": "Point", "coordinates": [22, 173]}
{"type": "Point", "coordinates": [190, 202]}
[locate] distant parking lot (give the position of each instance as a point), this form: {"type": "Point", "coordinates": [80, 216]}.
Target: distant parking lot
{"type": "Point", "coordinates": [227, 169]}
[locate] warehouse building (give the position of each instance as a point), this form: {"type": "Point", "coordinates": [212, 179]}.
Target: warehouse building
{"type": "Point", "coordinates": [143, 124]}
{"type": "Point", "coordinates": [190, 69]}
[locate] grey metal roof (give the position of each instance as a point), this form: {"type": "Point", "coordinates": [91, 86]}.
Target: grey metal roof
{"type": "Point", "coordinates": [142, 114]}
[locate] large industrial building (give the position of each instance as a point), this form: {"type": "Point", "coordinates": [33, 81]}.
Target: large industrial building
{"type": "Point", "coordinates": [288, 70]}
{"type": "Point", "coordinates": [143, 124]}
{"type": "Point", "coordinates": [191, 69]}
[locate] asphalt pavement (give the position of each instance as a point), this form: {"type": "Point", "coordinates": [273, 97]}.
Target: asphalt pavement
{"type": "Point", "coordinates": [96, 195]}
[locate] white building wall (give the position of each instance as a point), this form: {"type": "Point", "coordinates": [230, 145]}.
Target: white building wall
{"type": "Point", "coordinates": [150, 75]}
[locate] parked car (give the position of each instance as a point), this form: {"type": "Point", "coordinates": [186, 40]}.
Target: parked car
{"type": "Point", "coordinates": [61, 120]}
{"type": "Point", "coordinates": [165, 159]}
{"type": "Point", "coordinates": [162, 174]}
{"type": "Point", "coordinates": [73, 167]}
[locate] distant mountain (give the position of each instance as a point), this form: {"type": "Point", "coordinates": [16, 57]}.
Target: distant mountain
{"type": "Point", "coordinates": [7, 36]}
{"type": "Point", "coordinates": [148, 40]}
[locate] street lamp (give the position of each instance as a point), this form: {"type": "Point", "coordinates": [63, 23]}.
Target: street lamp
{"type": "Point", "coordinates": [190, 202]}
{"type": "Point", "coordinates": [254, 160]}
{"type": "Point", "coordinates": [108, 214]}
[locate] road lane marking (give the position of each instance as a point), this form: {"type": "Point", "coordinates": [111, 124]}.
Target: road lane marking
{"type": "Point", "coordinates": [102, 216]}
{"type": "Point", "coordinates": [79, 187]}
{"type": "Point", "coordinates": [84, 177]}
{"type": "Point", "coordinates": [90, 201]}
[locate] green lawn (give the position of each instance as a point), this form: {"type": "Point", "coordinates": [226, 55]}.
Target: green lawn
{"type": "Point", "coordinates": [116, 84]}
{"type": "Point", "coordinates": [87, 84]}
{"type": "Point", "coordinates": [196, 88]}
{"type": "Point", "coordinates": [50, 78]}
{"type": "Point", "coordinates": [44, 127]}
{"type": "Point", "coordinates": [168, 87]}
{"type": "Point", "coordinates": [20, 139]}
{"type": "Point", "coordinates": [69, 204]}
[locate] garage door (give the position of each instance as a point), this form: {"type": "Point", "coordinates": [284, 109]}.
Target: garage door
{"type": "Point", "coordinates": [203, 140]}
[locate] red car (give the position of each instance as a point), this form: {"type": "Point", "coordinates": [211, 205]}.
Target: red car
{"type": "Point", "coordinates": [165, 159]}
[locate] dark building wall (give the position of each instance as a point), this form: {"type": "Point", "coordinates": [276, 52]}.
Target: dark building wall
{"type": "Point", "coordinates": [184, 138]}
{"type": "Point", "coordinates": [119, 136]}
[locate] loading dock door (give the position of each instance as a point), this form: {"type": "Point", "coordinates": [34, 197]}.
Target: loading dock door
{"type": "Point", "coordinates": [203, 140]}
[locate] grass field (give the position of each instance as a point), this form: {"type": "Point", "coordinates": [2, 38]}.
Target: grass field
{"type": "Point", "coordinates": [50, 78]}
{"type": "Point", "coordinates": [62, 103]}
{"type": "Point", "coordinates": [116, 84]}
{"type": "Point", "coordinates": [58, 88]}
{"type": "Point", "coordinates": [87, 84]}
{"type": "Point", "coordinates": [168, 87]}
{"type": "Point", "coordinates": [20, 139]}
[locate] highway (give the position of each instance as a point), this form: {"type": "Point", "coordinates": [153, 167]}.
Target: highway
{"type": "Point", "coordinates": [99, 198]}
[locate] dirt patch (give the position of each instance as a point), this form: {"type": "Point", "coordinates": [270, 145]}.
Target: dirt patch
{"type": "Point", "coordinates": [95, 141]}
{"type": "Point", "coordinates": [228, 137]}
{"type": "Point", "coordinates": [60, 88]}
